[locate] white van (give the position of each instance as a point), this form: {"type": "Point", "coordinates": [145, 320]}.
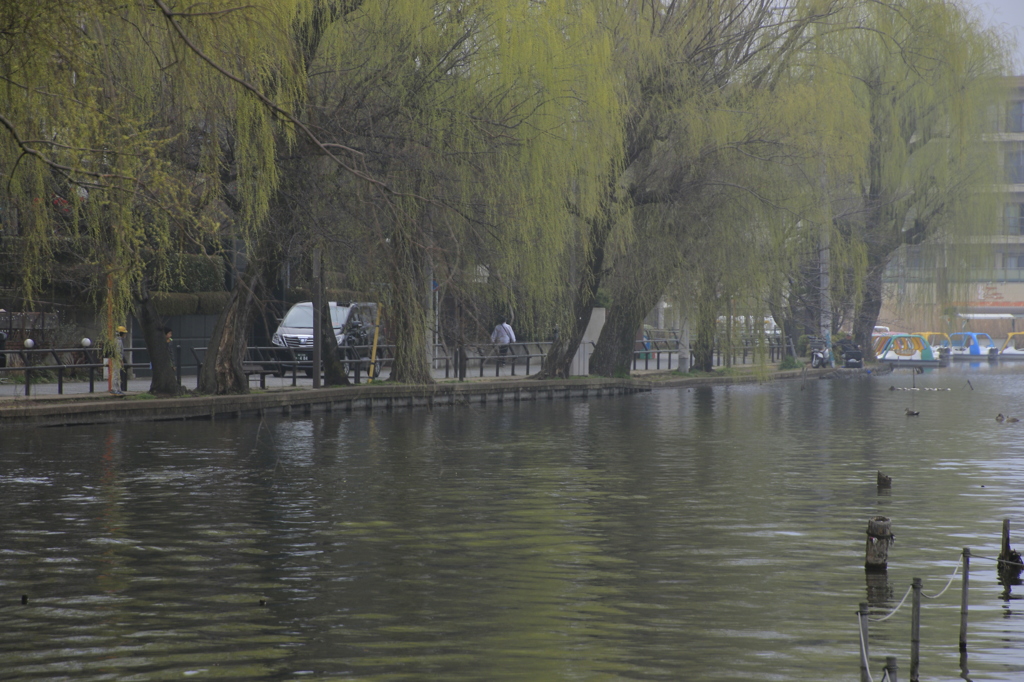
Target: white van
{"type": "Point", "coordinates": [296, 327]}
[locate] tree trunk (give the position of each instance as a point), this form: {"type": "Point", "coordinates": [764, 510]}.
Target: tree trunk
{"type": "Point", "coordinates": [707, 318]}
{"type": "Point", "coordinates": [165, 380]}
{"type": "Point", "coordinates": [330, 360]}
{"type": "Point", "coordinates": [867, 310]}
{"type": "Point", "coordinates": [333, 373]}
{"type": "Point", "coordinates": [407, 318]}
{"type": "Point", "coordinates": [559, 359]}
{"type": "Point", "coordinates": [613, 355]}
{"type": "Point", "coordinates": [222, 367]}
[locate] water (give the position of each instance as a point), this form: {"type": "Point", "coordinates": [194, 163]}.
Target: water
{"type": "Point", "coordinates": [704, 534]}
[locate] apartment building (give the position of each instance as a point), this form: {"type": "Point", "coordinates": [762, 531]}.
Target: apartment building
{"type": "Point", "coordinates": [987, 294]}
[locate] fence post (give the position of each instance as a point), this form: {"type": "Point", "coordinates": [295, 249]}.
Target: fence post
{"type": "Point", "coordinates": [963, 598]}
{"type": "Point", "coordinates": [865, 675]}
{"type": "Point", "coordinates": [27, 361]}
{"type": "Point", "coordinates": [915, 632]}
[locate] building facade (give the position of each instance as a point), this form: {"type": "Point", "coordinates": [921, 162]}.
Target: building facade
{"type": "Point", "coordinates": [986, 292]}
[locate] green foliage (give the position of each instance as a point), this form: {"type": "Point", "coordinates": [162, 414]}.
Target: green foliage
{"type": "Point", "coordinates": [175, 304]}
{"type": "Point", "coordinates": [189, 273]}
{"type": "Point", "coordinates": [802, 344]}
{"type": "Point", "coordinates": [790, 362]}
{"type": "Point", "coordinates": [212, 302]}
{"type": "Point", "coordinates": [514, 153]}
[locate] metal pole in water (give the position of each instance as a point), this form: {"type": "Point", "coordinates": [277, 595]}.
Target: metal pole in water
{"type": "Point", "coordinates": [865, 675]}
{"type": "Point", "coordinates": [963, 598]}
{"type": "Point", "coordinates": [915, 632]}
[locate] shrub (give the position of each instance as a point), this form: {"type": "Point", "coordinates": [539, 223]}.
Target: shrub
{"type": "Point", "coordinates": [790, 362]}
{"type": "Point", "coordinates": [175, 304]}
{"type": "Point", "coordinates": [212, 302]}
{"type": "Point", "coordinates": [801, 345]}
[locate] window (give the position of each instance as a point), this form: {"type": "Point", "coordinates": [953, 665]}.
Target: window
{"type": "Point", "coordinates": [1013, 166]}
{"type": "Point", "coordinates": [1013, 219]}
{"type": "Point", "coordinates": [1015, 117]}
{"type": "Point", "coordinates": [1013, 260]}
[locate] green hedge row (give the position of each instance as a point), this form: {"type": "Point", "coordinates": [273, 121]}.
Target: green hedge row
{"type": "Point", "coordinates": [202, 303]}
{"type": "Point", "coordinates": [190, 273]}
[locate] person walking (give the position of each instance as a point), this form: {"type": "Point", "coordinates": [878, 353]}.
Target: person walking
{"type": "Point", "coordinates": [504, 337]}
{"type": "Point", "coordinates": [122, 332]}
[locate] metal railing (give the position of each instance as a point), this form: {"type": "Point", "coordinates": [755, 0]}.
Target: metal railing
{"type": "Point", "coordinates": [522, 355]}
{"type": "Point", "coordinates": [261, 361]}
{"type": "Point", "coordinates": [70, 361]}
{"type": "Point", "coordinates": [33, 361]}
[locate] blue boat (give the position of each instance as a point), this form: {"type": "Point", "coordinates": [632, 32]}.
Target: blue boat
{"type": "Point", "coordinates": [972, 346]}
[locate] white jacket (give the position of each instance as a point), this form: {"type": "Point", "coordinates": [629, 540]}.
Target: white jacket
{"type": "Point", "coordinates": [503, 334]}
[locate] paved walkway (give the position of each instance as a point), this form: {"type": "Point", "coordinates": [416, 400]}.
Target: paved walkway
{"type": "Point", "coordinates": [13, 390]}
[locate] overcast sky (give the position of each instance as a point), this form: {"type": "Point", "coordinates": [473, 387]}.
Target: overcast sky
{"type": "Point", "coordinates": [1005, 14]}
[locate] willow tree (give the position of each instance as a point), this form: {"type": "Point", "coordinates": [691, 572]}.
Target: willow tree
{"type": "Point", "coordinates": [81, 157]}
{"type": "Point", "coordinates": [97, 96]}
{"type": "Point", "coordinates": [478, 120]}
{"type": "Point", "coordinates": [694, 77]}
{"type": "Point", "coordinates": [925, 75]}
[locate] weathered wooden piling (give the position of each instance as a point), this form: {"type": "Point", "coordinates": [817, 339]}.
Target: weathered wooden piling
{"type": "Point", "coordinates": [915, 632]}
{"type": "Point", "coordinates": [963, 598]}
{"type": "Point", "coordinates": [891, 667]}
{"type": "Point", "coordinates": [1010, 564]}
{"type": "Point", "coordinates": [876, 549]}
{"type": "Point", "coordinates": [884, 481]}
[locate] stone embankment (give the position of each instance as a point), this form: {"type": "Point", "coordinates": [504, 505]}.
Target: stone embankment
{"type": "Point", "coordinates": [101, 408]}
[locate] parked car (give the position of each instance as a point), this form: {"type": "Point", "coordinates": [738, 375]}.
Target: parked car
{"type": "Point", "coordinates": [296, 328]}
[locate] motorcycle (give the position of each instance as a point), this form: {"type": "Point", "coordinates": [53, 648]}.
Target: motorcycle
{"type": "Point", "coordinates": [819, 357]}
{"type": "Point", "coordinates": [356, 349]}
{"type": "Point", "coordinates": [849, 354]}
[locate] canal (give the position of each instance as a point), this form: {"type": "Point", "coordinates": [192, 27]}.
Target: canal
{"type": "Point", "coordinates": [684, 534]}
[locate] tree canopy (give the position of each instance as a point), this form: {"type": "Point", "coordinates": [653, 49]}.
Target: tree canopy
{"type": "Point", "coordinates": [514, 156]}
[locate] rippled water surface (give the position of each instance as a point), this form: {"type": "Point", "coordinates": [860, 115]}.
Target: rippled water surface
{"type": "Point", "coordinates": [704, 534]}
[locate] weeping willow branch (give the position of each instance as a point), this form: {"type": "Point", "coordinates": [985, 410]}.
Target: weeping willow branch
{"type": "Point", "coordinates": [273, 106]}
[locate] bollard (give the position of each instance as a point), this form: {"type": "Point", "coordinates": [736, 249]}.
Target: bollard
{"type": "Point", "coordinates": [876, 549]}
{"type": "Point", "coordinates": [915, 632]}
{"type": "Point", "coordinates": [963, 599]}
{"type": "Point", "coordinates": [865, 674]}
{"type": "Point", "coordinates": [891, 668]}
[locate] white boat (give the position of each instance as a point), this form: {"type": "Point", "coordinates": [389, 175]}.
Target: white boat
{"type": "Point", "coordinates": [1013, 347]}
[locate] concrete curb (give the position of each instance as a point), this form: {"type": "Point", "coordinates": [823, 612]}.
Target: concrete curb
{"type": "Point", "coordinates": [103, 408]}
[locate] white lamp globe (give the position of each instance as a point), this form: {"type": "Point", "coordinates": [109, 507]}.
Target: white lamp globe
{"type": "Point", "coordinates": [86, 342]}
{"type": "Point", "coordinates": [29, 343]}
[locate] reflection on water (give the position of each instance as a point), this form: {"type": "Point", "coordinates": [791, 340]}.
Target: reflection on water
{"type": "Point", "coordinates": [702, 534]}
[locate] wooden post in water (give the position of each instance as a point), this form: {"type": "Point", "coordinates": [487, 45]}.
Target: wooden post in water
{"type": "Point", "coordinates": [876, 550]}
{"type": "Point", "coordinates": [915, 632]}
{"type": "Point", "coordinates": [891, 667]}
{"type": "Point", "coordinates": [1010, 565]}
{"type": "Point", "coordinates": [963, 598]}
{"type": "Point", "coordinates": [862, 614]}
